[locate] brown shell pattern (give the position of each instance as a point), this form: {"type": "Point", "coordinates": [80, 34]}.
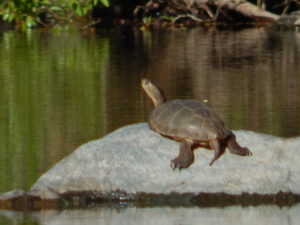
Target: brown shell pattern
{"type": "Point", "coordinates": [188, 119]}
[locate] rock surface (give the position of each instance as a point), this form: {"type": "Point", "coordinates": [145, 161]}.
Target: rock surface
{"type": "Point", "coordinates": [135, 160]}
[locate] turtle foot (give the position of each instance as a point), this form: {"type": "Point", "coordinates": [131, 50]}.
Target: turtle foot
{"type": "Point", "coordinates": [248, 152]}
{"type": "Point", "coordinates": [235, 148]}
{"type": "Point", "coordinates": [178, 164]}
{"type": "Point", "coordinates": [185, 157]}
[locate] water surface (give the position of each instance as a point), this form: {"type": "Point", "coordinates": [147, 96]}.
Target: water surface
{"type": "Point", "coordinates": [158, 215]}
{"type": "Point", "coordinates": [60, 90]}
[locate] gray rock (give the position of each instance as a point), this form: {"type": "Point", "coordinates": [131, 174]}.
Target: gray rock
{"type": "Point", "coordinates": [44, 193]}
{"type": "Point", "coordinates": [135, 159]}
{"type": "Point", "coordinates": [12, 194]}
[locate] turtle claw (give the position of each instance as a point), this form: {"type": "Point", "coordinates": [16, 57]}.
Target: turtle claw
{"type": "Point", "coordinates": [173, 166]}
{"type": "Point", "coordinates": [249, 153]}
{"type": "Point", "coordinates": [177, 165]}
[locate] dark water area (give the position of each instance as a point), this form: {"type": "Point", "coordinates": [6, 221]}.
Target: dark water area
{"type": "Point", "coordinates": [61, 90]}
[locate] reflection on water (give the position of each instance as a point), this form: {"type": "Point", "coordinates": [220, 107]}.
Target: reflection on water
{"type": "Point", "coordinates": [59, 91]}
{"type": "Point", "coordinates": [260, 215]}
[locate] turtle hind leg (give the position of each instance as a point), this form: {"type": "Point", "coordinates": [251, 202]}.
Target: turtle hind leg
{"type": "Point", "coordinates": [236, 149]}
{"type": "Point", "coordinates": [185, 157]}
{"type": "Point", "coordinates": [219, 149]}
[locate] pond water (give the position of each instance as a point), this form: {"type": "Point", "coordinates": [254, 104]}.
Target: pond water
{"type": "Point", "coordinates": [60, 90]}
{"type": "Point", "coordinates": [158, 215]}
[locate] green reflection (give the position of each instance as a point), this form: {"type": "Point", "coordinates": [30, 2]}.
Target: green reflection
{"type": "Point", "coordinates": [51, 90]}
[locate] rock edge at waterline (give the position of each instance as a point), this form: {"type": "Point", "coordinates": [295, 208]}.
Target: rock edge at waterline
{"type": "Point", "coordinates": [134, 160]}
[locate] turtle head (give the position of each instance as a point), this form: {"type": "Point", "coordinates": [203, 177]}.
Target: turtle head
{"type": "Point", "coordinates": [155, 93]}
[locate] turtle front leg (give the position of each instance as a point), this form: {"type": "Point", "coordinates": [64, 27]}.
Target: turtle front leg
{"type": "Point", "coordinates": [185, 157]}
{"type": "Point", "coordinates": [235, 148]}
{"type": "Point", "coordinates": [219, 149]}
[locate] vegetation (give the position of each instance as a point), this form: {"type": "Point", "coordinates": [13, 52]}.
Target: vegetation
{"type": "Point", "coordinates": [47, 13]}
{"type": "Point", "coordinates": [32, 13]}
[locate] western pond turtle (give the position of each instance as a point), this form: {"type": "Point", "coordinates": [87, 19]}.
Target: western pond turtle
{"type": "Point", "coordinates": [193, 124]}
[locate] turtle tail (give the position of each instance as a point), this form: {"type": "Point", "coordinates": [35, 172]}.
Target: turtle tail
{"type": "Point", "coordinates": [235, 148]}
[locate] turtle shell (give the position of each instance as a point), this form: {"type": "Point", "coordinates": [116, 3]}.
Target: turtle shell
{"type": "Point", "coordinates": [187, 119]}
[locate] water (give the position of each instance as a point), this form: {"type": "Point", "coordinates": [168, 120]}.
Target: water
{"type": "Point", "coordinates": [158, 215]}
{"type": "Point", "coordinates": [60, 90]}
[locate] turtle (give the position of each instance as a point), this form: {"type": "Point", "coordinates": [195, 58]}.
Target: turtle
{"type": "Point", "coordinates": [193, 124]}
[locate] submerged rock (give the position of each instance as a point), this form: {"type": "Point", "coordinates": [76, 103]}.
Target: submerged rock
{"type": "Point", "coordinates": [135, 160]}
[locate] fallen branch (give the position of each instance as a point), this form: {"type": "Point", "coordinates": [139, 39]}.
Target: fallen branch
{"type": "Point", "coordinates": [187, 16]}
{"type": "Point", "coordinates": [193, 9]}
{"type": "Point", "coordinates": [247, 9]}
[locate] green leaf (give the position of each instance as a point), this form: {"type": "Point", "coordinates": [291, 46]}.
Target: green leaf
{"type": "Point", "coordinates": [46, 2]}
{"type": "Point", "coordinates": [74, 6]}
{"type": "Point", "coordinates": [11, 17]}
{"type": "Point", "coordinates": [56, 8]}
{"type": "Point", "coordinates": [105, 3]}
{"type": "Point", "coordinates": [30, 22]}
{"type": "Point", "coordinates": [6, 16]}
{"type": "Point", "coordinates": [85, 10]}
{"type": "Point", "coordinates": [79, 11]}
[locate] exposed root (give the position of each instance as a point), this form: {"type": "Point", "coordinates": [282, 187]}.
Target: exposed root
{"type": "Point", "coordinates": [220, 11]}
{"type": "Point", "coordinates": [190, 16]}
{"type": "Point", "coordinates": [208, 11]}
